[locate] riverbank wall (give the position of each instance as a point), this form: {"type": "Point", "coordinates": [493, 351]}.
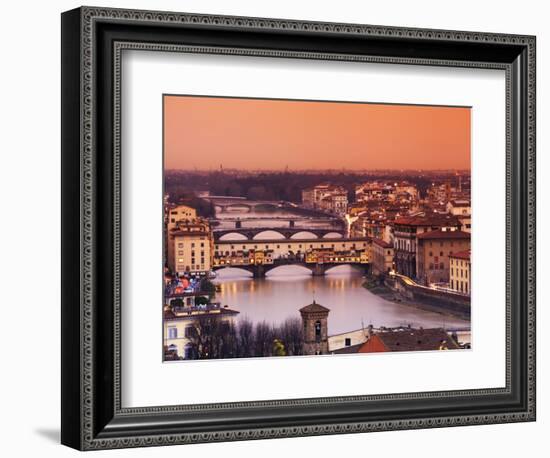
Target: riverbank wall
{"type": "Point", "coordinates": [446, 301]}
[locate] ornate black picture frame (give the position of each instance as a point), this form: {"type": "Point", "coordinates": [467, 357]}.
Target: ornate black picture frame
{"type": "Point", "coordinates": [92, 41]}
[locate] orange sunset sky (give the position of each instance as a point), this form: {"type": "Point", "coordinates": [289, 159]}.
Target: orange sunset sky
{"type": "Point", "coordinates": [258, 134]}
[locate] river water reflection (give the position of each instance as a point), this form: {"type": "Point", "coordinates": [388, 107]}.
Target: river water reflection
{"type": "Point", "coordinates": [285, 290]}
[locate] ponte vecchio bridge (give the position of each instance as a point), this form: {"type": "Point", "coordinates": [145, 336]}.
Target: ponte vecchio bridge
{"type": "Point", "coordinates": [318, 255]}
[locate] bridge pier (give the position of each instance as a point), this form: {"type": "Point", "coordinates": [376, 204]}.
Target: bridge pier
{"type": "Point", "coordinates": [318, 270]}
{"type": "Point", "coordinates": [258, 271]}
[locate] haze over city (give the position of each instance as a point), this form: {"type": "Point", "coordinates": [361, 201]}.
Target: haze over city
{"type": "Point", "coordinates": [202, 133]}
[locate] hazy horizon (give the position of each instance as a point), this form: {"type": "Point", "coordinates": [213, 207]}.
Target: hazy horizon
{"type": "Point", "coordinates": [354, 171]}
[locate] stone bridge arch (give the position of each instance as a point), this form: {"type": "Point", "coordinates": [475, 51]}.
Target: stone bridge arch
{"type": "Point", "coordinates": [304, 234]}
{"type": "Point", "coordinates": [233, 235]}
{"type": "Point", "coordinates": [269, 234]}
{"type": "Point", "coordinates": [333, 234]}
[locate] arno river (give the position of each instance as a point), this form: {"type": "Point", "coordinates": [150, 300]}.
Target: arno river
{"type": "Point", "coordinates": [285, 290]}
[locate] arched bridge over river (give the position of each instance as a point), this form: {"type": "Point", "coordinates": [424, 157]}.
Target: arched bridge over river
{"type": "Point", "coordinates": [317, 269]}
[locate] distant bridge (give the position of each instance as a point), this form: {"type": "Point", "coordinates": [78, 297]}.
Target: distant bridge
{"type": "Point", "coordinates": [285, 233]}
{"type": "Point", "coordinates": [230, 204]}
{"type": "Point", "coordinates": [317, 269]}
{"type": "Point", "coordinates": [225, 204]}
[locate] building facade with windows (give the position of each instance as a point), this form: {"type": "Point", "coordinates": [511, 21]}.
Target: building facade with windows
{"type": "Point", "coordinates": [405, 233]}
{"type": "Point", "coordinates": [283, 248]}
{"type": "Point", "coordinates": [434, 251]}
{"type": "Point", "coordinates": [326, 197]}
{"type": "Point", "coordinates": [382, 257]}
{"type": "Point", "coordinates": [179, 213]}
{"type": "Point", "coordinates": [460, 272]}
{"type": "Point", "coordinates": [190, 247]}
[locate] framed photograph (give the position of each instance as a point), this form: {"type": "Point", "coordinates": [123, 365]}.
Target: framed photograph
{"type": "Point", "coordinates": [276, 228]}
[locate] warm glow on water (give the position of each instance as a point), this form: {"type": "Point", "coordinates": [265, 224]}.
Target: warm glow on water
{"type": "Point", "coordinates": [287, 289]}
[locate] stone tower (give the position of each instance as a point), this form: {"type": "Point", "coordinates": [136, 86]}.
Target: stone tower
{"type": "Point", "coordinates": [314, 319]}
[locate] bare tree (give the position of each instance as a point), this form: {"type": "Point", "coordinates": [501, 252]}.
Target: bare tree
{"type": "Point", "coordinates": [263, 341]}
{"type": "Point", "coordinates": [245, 338]}
{"type": "Point", "coordinates": [291, 334]}
{"type": "Point", "coordinates": [211, 337]}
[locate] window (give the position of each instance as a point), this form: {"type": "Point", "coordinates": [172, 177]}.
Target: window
{"type": "Point", "coordinates": [172, 333]}
{"type": "Point", "coordinates": [188, 331]}
{"type": "Point", "coordinates": [202, 245]}
{"type": "Point", "coordinates": [180, 245]}
{"type": "Point", "coordinates": [318, 331]}
{"type": "Point", "coordinates": [347, 342]}
{"type": "Point", "coordinates": [180, 253]}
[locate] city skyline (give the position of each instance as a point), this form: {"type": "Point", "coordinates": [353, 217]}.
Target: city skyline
{"type": "Point", "coordinates": [202, 133]}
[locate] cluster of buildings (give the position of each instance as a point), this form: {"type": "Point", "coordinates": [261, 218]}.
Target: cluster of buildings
{"type": "Point", "coordinates": [426, 239]}
{"type": "Point", "coordinates": [326, 197]}
{"type": "Point", "coordinates": [392, 228]}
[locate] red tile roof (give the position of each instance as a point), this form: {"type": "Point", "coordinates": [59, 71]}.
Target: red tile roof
{"type": "Point", "coordinates": [461, 255]}
{"type": "Point", "coordinates": [382, 243]}
{"type": "Point", "coordinates": [429, 220]}
{"type": "Point", "coordinates": [314, 307]}
{"type": "Point", "coordinates": [439, 234]}
{"type": "Point", "coordinates": [414, 340]}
